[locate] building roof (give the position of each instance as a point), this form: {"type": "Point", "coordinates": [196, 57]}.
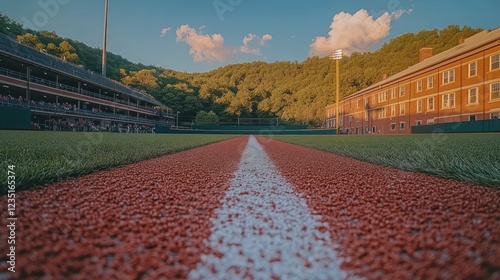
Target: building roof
{"type": "Point", "coordinates": [471, 43]}
{"type": "Point", "coordinates": [24, 52]}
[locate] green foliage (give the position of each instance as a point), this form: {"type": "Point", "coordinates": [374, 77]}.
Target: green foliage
{"type": "Point", "coordinates": [204, 118]}
{"type": "Point", "coordinates": [295, 92]}
{"type": "Point", "coordinates": [465, 157]}
{"type": "Point", "coordinates": [42, 157]}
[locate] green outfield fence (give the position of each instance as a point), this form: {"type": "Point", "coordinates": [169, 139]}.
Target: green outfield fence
{"type": "Point", "coordinates": [248, 130]}
{"type": "Point", "coordinates": [13, 117]}
{"type": "Point", "coordinates": [492, 125]}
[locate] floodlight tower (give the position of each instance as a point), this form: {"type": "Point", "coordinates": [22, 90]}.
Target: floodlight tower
{"type": "Point", "coordinates": [337, 56]}
{"type": "Point", "coordinates": [104, 43]}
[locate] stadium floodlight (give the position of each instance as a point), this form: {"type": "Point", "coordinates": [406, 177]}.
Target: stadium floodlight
{"type": "Point", "coordinates": [105, 38]}
{"type": "Point", "coordinates": [177, 124]}
{"type": "Point", "coordinates": [337, 56]}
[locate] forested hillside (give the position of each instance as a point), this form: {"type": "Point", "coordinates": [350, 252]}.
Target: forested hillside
{"type": "Point", "coordinates": [294, 91]}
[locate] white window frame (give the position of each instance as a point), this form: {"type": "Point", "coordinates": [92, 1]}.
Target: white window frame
{"type": "Point", "coordinates": [419, 86]}
{"type": "Point", "coordinates": [393, 110]}
{"type": "Point", "coordinates": [402, 90]}
{"type": "Point", "coordinates": [472, 70]}
{"type": "Point", "coordinates": [429, 109]}
{"type": "Point", "coordinates": [357, 103]}
{"type": "Point", "coordinates": [402, 125]}
{"type": "Point", "coordinates": [430, 82]}
{"type": "Point", "coordinates": [469, 95]}
{"type": "Point", "coordinates": [448, 100]}
{"type": "Point", "coordinates": [430, 121]}
{"type": "Point", "coordinates": [418, 123]}
{"type": "Point", "coordinates": [495, 62]}
{"type": "Point", "coordinates": [448, 76]}
{"type": "Point", "coordinates": [497, 91]}
{"type": "Point", "coordinates": [382, 114]}
{"type": "Point", "coordinates": [419, 106]}
{"type": "Point", "coordinates": [393, 126]}
{"type": "Point", "coordinates": [402, 109]}
{"type": "Point", "coordinates": [393, 93]}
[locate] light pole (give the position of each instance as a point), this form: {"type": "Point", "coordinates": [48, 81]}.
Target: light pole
{"type": "Point", "coordinates": [177, 124]}
{"type": "Point", "coordinates": [337, 56]}
{"type": "Point", "coordinates": [105, 39]}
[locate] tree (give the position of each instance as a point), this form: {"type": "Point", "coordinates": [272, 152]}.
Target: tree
{"type": "Point", "coordinates": [68, 52]}
{"type": "Point", "coordinates": [204, 118]}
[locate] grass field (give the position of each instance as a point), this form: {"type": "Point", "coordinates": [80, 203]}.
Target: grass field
{"type": "Point", "coordinates": [42, 157]}
{"type": "Point", "coordinates": [466, 157]}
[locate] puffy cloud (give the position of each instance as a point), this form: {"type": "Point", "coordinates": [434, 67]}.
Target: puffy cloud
{"type": "Point", "coordinates": [203, 47]}
{"type": "Point", "coordinates": [164, 31]}
{"type": "Point", "coordinates": [252, 43]}
{"type": "Point", "coordinates": [354, 33]}
{"type": "Point", "coordinates": [211, 48]}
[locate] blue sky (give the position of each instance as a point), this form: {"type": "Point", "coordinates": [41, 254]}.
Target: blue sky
{"type": "Point", "coordinates": [206, 34]}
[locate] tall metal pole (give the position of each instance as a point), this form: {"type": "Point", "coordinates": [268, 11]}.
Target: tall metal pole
{"type": "Point", "coordinates": [337, 55]}
{"type": "Point", "coordinates": [337, 89]}
{"type": "Point", "coordinates": [104, 43]}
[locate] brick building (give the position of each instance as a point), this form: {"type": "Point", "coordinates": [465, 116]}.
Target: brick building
{"type": "Point", "coordinates": [458, 85]}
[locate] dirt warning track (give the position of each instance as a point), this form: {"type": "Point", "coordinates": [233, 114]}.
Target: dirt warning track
{"type": "Point", "coordinates": [255, 208]}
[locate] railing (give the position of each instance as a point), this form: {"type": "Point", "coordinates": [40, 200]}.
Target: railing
{"type": "Point", "coordinates": [52, 84]}
{"type": "Point", "coordinates": [52, 108]}
{"type": "Point", "coordinates": [10, 46]}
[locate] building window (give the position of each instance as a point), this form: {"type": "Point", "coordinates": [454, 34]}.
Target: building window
{"type": "Point", "coordinates": [382, 96]}
{"type": "Point", "coordinates": [472, 69]}
{"type": "Point", "coordinates": [402, 90]}
{"type": "Point", "coordinates": [495, 115]}
{"type": "Point", "coordinates": [448, 76]}
{"type": "Point", "coordinates": [495, 91]}
{"type": "Point", "coordinates": [357, 103]}
{"type": "Point", "coordinates": [374, 129]}
{"type": "Point", "coordinates": [393, 93]}
{"type": "Point", "coordinates": [393, 110]}
{"type": "Point", "coordinates": [419, 106]}
{"type": "Point", "coordinates": [419, 86]}
{"type": "Point", "coordinates": [473, 96]}
{"type": "Point", "coordinates": [430, 104]}
{"type": "Point", "coordinates": [382, 113]}
{"type": "Point", "coordinates": [472, 118]}
{"type": "Point", "coordinates": [449, 100]}
{"type": "Point", "coordinates": [418, 123]}
{"type": "Point", "coordinates": [393, 126]}
{"type": "Point", "coordinates": [430, 82]}
{"type": "Point", "coordinates": [401, 109]}
{"type": "Point", "coordinates": [402, 125]}
{"type": "Point", "coordinates": [430, 121]}
{"type": "Point", "coordinates": [495, 62]}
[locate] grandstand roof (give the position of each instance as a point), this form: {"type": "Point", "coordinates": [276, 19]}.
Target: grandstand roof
{"type": "Point", "coordinates": [24, 52]}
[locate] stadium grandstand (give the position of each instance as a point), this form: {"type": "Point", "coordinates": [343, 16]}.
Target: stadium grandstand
{"type": "Point", "coordinates": [40, 91]}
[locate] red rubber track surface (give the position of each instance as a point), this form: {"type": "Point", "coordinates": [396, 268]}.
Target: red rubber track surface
{"type": "Point", "coordinates": [392, 224]}
{"type": "Point", "coordinates": [145, 220]}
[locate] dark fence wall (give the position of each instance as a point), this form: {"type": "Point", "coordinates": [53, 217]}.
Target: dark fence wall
{"type": "Point", "coordinates": [459, 127]}
{"type": "Point", "coordinates": [15, 117]}
{"type": "Point", "coordinates": [253, 130]}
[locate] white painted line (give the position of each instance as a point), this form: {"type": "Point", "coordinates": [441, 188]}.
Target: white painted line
{"type": "Point", "coordinates": [265, 230]}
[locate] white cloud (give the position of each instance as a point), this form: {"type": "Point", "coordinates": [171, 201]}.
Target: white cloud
{"type": "Point", "coordinates": [164, 31]}
{"type": "Point", "coordinates": [354, 33]}
{"type": "Point", "coordinates": [203, 47]}
{"type": "Point", "coordinates": [211, 48]}
{"type": "Point", "coordinates": [252, 43]}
